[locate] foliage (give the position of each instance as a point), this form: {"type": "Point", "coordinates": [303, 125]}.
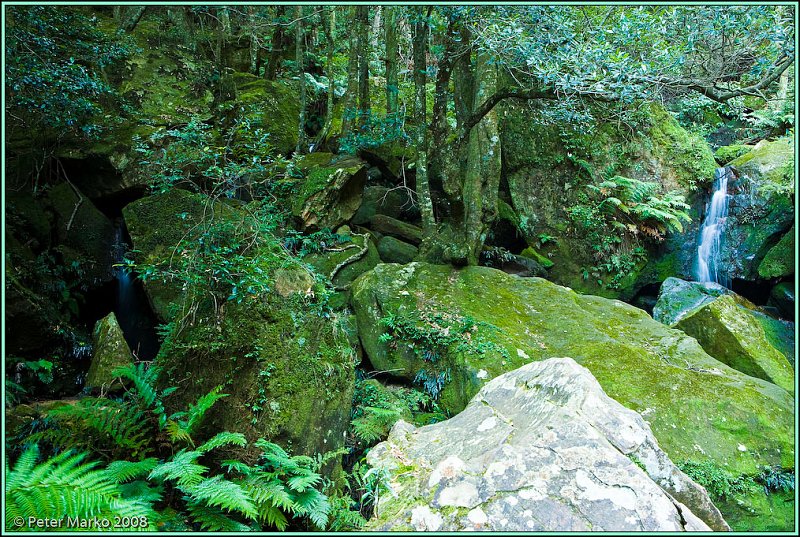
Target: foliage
{"type": "Point", "coordinates": [496, 255]}
{"type": "Point", "coordinates": [620, 216]}
{"type": "Point", "coordinates": [430, 335]}
{"type": "Point", "coordinates": [55, 78]}
{"type": "Point", "coordinates": [68, 486]}
{"type": "Point", "coordinates": [374, 131]}
{"type": "Point", "coordinates": [719, 482]}
{"type": "Point", "coordinates": [776, 479]}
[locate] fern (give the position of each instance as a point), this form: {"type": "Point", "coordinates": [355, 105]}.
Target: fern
{"type": "Point", "coordinates": [224, 438]}
{"type": "Point", "coordinates": [124, 471]}
{"type": "Point", "coordinates": [65, 485]}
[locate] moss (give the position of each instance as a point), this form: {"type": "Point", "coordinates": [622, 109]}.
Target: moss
{"type": "Point", "coordinates": [779, 261]}
{"type": "Point", "coordinates": [533, 253]}
{"type": "Point", "coordinates": [697, 406]}
{"type": "Point", "coordinates": [268, 105]}
{"type": "Point", "coordinates": [326, 262]}
{"type": "Point", "coordinates": [110, 352]}
{"type": "Point", "coordinates": [734, 336]}
{"type": "Point", "coordinates": [727, 153]}
{"type": "Point", "coordinates": [331, 191]}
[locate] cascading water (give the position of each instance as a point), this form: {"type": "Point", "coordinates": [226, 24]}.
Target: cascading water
{"type": "Point", "coordinates": [131, 308]}
{"type": "Point", "coordinates": [709, 249]}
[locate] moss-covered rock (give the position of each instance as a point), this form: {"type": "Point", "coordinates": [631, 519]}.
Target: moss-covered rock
{"type": "Point", "coordinates": [727, 153]}
{"type": "Point", "coordinates": [782, 297]}
{"type": "Point", "coordinates": [760, 208]}
{"type": "Point", "coordinates": [779, 261]}
{"type": "Point", "coordinates": [110, 351]}
{"type": "Point", "coordinates": [533, 253]}
{"type": "Point", "coordinates": [732, 335]}
{"type": "Point", "coordinates": [263, 104]}
{"type": "Point", "coordinates": [331, 192]}
{"type": "Point", "coordinates": [394, 250]}
{"type": "Point", "coordinates": [548, 167]}
{"type": "Point", "coordinates": [677, 298]}
{"type": "Point", "coordinates": [698, 407]}
{"type": "Point", "coordinates": [347, 261]}
{"type": "Point", "coordinates": [85, 233]}
{"type": "Point", "coordinates": [286, 363]}
{"type": "Point", "coordinates": [380, 200]}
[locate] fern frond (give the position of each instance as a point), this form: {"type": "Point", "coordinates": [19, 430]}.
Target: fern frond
{"type": "Point", "coordinates": [123, 471]}
{"type": "Point", "coordinates": [224, 438]}
{"type": "Point", "coordinates": [182, 468]}
{"type": "Point", "coordinates": [213, 519]}
{"type": "Point", "coordinates": [63, 486]}
{"type": "Point", "coordinates": [219, 492]}
{"type": "Point", "coordinates": [177, 433]}
{"type": "Point", "coordinates": [197, 411]}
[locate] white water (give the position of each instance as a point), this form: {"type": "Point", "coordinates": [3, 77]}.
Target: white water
{"type": "Point", "coordinates": [708, 251]}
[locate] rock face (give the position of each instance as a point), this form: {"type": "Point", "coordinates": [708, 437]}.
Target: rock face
{"type": "Point", "coordinates": [782, 297]}
{"type": "Point", "coordinates": [288, 370]}
{"type": "Point", "coordinates": [779, 261]}
{"type": "Point", "coordinates": [110, 352]}
{"type": "Point", "coordinates": [698, 408]}
{"type": "Point", "coordinates": [677, 298]}
{"type": "Point", "coordinates": [732, 334]}
{"type": "Point", "coordinates": [759, 211]}
{"type": "Point", "coordinates": [380, 200]}
{"type": "Point", "coordinates": [331, 192]}
{"type": "Point", "coordinates": [541, 448]}
{"type": "Point", "coordinates": [545, 182]}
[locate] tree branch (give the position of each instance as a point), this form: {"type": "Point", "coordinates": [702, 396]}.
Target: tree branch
{"type": "Point", "coordinates": [716, 94]}
{"type": "Point", "coordinates": [486, 106]}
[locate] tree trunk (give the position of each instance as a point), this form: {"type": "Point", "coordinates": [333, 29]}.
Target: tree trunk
{"type": "Point", "coordinates": [301, 76]}
{"type": "Point", "coordinates": [352, 80]}
{"type": "Point", "coordinates": [132, 18]}
{"type": "Point", "coordinates": [420, 50]}
{"type": "Point", "coordinates": [363, 48]}
{"type": "Point", "coordinates": [276, 45]}
{"type": "Point", "coordinates": [392, 53]}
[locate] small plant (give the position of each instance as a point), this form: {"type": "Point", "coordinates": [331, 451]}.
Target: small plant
{"type": "Point", "coordinates": [776, 479]}
{"type": "Point", "coordinates": [719, 482]}
{"type": "Point", "coordinates": [432, 382]}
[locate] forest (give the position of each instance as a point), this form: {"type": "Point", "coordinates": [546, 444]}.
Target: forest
{"type": "Point", "coordinates": [399, 268]}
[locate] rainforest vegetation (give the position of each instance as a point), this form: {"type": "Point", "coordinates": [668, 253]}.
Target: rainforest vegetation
{"type": "Point", "coordinates": [255, 254]}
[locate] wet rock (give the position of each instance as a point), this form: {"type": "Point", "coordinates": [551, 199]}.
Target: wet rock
{"type": "Point", "coordinates": [541, 448]}
{"type": "Point", "coordinates": [677, 298]}
{"type": "Point", "coordinates": [782, 297]}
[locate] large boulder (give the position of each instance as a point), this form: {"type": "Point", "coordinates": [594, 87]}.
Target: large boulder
{"type": "Point", "coordinates": [732, 334]}
{"type": "Point", "coordinates": [782, 297]}
{"type": "Point", "coordinates": [286, 363]}
{"type": "Point", "coordinates": [331, 192]}
{"type": "Point", "coordinates": [110, 351]}
{"type": "Point", "coordinates": [381, 200]}
{"type": "Point", "coordinates": [394, 250]}
{"type": "Point", "coordinates": [84, 234]}
{"type": "Point", "coordinates": [454, 329]}
{"type": "Point", "coordinates": [677, 298]}
{"type": "Point", "coordinates": [541, 448]}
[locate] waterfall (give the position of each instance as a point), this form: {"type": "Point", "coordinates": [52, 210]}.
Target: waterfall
{"type": "Point", "coordinates": [131, 307]}
{"type": "Point", "coordinates": [709, 248]}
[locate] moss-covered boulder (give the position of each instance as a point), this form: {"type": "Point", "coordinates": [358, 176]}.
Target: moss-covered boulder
{"type": "Point", "coordinates": [380, 200]}
{"type": "Point", "coordinates": [331, 192]}
{"type": "Point", "coordinates": [677, 298]}
{"type": "Point", "coordinates": [347, 261]}
{"type": "Point", "coordinates": [110, 351]}
{"type": "Point", "coordinates": [727, 153]}
{"type": "Point", "coordinates": [394, 250]}
{"type": "Point", "coordinates": [736, 338]}
{"type": "Point", "coordinates": [265, 105]}
{"type": "Point", "coordinates": [533, 253]}
{"type": "Point", "coordinates": [779, 261]}
{"type": "Point", "coordinates": [760, 208]}
{"type": "Point", "coordinates": [286, 362]}
{"type": "Point", "coordinates": [453, 330]}
{"type": "Point", "coordinates": [84, 234]}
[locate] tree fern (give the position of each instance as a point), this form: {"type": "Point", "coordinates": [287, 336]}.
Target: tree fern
{"type": "Point", "coordinates": [65, 485]}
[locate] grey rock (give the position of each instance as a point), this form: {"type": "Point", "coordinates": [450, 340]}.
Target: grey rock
{"type": "Point", "coordinates": [394, 250]}
{"type": "Point", "coordinates": [541, 448]}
